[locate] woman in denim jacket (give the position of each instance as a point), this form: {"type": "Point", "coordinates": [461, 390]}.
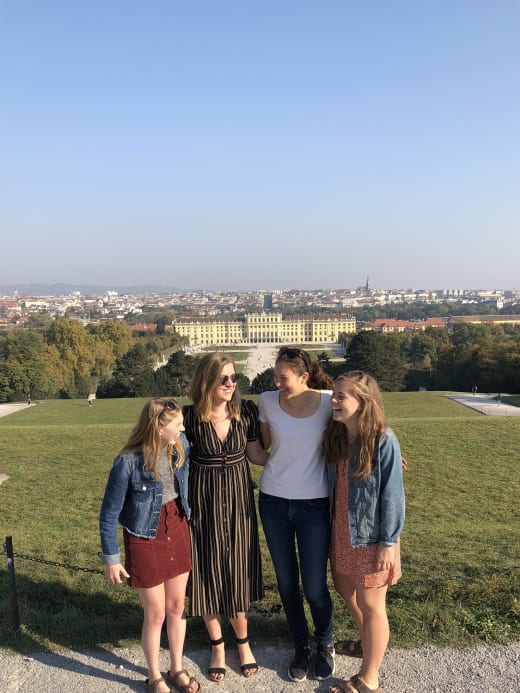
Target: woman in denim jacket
{"type": "Point", "coordinates": [147, 493]}
{"type": "Point", "coordinates": [367, 518]}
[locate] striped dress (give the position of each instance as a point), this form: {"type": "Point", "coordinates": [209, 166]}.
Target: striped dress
{"type": "Point", "coordinates": [226, 569]}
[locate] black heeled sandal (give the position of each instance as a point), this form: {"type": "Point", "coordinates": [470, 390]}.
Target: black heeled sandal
{"type": "Point", "coordinates": [253, 667]}
{"type": "Point", "coordinates": [212, 671]}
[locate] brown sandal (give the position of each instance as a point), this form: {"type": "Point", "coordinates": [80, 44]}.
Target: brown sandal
{"type": "Point", "coordinates": [357, 685]}
{"type": "Point", "coordinates": [182, 688]}
{"type": "Point", "coordinates": [350, 648]}
{"type": "Point", "coordinates": [151, 686]}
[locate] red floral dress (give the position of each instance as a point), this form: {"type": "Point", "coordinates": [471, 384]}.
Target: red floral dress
{"type": "Point", "coordinates": [358, 563]}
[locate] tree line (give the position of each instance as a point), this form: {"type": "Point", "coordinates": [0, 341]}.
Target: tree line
{"type": "Point", "coordinates": [64, 359]}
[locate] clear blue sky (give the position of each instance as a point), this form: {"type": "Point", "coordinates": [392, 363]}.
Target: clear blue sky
{"type": "Point", "coordinates": [237, 144]}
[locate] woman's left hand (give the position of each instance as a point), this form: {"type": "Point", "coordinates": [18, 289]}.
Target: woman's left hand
{"type": "Point", "coordinates": [385, 557]}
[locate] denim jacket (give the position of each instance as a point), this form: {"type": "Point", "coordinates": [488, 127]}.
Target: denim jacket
{"type": "Point", "coordinates": [376, 504]}
{"type": "Point", "coordinates": [133, 497]}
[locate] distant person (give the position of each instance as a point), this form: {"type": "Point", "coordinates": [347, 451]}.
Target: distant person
{"type": "Point", "coordinates": [226, 575]}
{"type": "Point", "coordinates": [474, 389]}
{"type": "Point", "coordinates": [90, 399]}
{"type": "Point", "coordinates": [29, 400]}
{"type": "Point", "coordinates": [294, 503]}
{"type": "Point", "coordinates": [147, 493]}
{"type": "Point", "coordinates": [367, 519]}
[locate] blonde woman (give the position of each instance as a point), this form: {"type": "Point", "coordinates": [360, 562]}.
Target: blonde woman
{"type": "Point", "coordinates": [368, 517]}
{"type": "Point", "coordinates": [226, 576]}
{"type": "Point", "coordinates": [147, 493]}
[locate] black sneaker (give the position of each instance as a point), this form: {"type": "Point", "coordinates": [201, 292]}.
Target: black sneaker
{"type": "Point", "coordinates": [324, 665]}
{"type": "Point", "coordinates": [299, 666]}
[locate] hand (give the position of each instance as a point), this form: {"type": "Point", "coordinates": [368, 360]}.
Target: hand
{"type": "Point", "coordinates": [385, 558]}
{"type": "Point", "coordinates": [113, 573]}
{"type": "Point", "coordinates": [404, 462]}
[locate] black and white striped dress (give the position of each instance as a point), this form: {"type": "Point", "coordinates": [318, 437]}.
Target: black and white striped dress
{"type": "Point", "coordinates": [226, 569]}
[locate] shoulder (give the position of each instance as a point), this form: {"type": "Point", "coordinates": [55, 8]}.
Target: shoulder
{"type": "Point", "coordinates": [248, 408]}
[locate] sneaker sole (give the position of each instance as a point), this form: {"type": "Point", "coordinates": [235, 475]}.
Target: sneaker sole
{"type": "Point", "coordinates": [295, 680]}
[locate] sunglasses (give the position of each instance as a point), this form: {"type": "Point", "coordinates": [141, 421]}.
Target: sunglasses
{"type": "Point", "coordinates": [291, 353]}
{"type": "Point", "coordinates": [171, 405]}
{"type": "Point", "coordinates": [233, 379]}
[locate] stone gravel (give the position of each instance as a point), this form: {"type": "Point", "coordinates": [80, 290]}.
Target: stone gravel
{"type": "Point", "coordinates": [424, 670]}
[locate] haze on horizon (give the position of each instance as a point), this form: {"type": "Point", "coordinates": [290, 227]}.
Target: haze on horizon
{"type": "Point", "coordinates": [232, 146]}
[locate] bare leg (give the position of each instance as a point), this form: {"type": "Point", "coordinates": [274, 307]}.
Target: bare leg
{"type": "Point", "coordinates": [218, 655]}
{"type": "Point", "coordinates": [376, 631]}
{"type": "Point", "coordinates": [347, 589]}
{"type": "Point", "coordinates": [239, 625]}
{"type": "Point", "coordinates": [175, 592]}
{"type": "Point", "coordinates": [153, 602]}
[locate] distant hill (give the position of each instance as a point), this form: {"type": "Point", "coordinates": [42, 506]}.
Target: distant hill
{"type": "Point", "coordinates": [85, 289]}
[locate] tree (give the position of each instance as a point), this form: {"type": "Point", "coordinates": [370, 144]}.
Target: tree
{"type": "Point", "coordinates": [175, 377]}
{"type": "Point", "coordinates": [378, 355]}
{"type": "Point", "coordinates": [263, 381]}
{"type": "Point", "coordinates": [133, 376]}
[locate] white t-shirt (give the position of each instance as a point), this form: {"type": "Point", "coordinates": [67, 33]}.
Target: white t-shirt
{"type": "Point", "coordinates": [296, 469]}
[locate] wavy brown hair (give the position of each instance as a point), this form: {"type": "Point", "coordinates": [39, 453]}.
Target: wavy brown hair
{"type": "Point", "coordinates": [207, 376]}
{"type": "Point", "coordinates": [371, 425]}
{"type": "Point", "coordinates": [146, 437]}
{"type": "Point", "coordinates": [300, 362]}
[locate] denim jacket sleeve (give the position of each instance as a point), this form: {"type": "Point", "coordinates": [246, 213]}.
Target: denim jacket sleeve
{"type": "Point", "coordinates": [113, 500]}
{"type": "Point", "coordinates": [391, 492]}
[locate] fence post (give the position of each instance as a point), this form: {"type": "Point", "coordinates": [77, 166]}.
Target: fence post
{"type": "Point", "coordinates": [15, 618]}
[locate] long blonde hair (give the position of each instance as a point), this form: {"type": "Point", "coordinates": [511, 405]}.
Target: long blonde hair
{"type": "Point", "coordinates": [207, 376]}
{"type": "Point", "coordinates": [371, 425]}
{"type": "Point", "coordinates": [146, 436]}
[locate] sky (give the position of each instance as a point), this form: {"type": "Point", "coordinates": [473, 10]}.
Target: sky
{"type": "Point", "coordinates": [260, 144]}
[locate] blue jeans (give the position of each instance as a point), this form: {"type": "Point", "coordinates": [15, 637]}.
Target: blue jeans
{"type": "Point", "coordinates": [307, 521]}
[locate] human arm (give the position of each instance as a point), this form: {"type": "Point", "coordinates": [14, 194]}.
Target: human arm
{"type": "Point", "coordinates": [113, 500]}
{"type": "Point", "coordinates": [113, 573]}
{"type": "Point", "coordinates": [385, 557]}
{"type": "Point", "coordinates": [265, 433]}
{"type": "Point", "coordinates": [391, 500]}
{"type": "Point", "coordinates": [256, 453]}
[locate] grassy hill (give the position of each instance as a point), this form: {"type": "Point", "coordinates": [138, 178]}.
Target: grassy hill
{"type": "Point", "coordinates": [461, 564]}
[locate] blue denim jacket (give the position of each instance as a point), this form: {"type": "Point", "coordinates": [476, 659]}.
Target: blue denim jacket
{"type": "Point", "coordinates": [376, 504]}
{"type": "Point", "coordinates": [133, 497]}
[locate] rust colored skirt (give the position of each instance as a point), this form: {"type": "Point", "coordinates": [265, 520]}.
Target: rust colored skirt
{"type": "Point", "coordinates": [150, 562]}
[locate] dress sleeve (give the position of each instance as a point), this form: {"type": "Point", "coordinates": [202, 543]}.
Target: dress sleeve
{"type": "Point", "coordinates": [250, 415]}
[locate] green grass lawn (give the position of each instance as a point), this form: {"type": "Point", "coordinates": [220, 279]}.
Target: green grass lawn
{"type": "Point", "coordinates": [461, 564]}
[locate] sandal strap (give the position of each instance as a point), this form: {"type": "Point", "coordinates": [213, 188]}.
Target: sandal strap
{"type": "Point", "coordinates": [214, 643]}
{"type": "Point", "coordinates": [242, 641]}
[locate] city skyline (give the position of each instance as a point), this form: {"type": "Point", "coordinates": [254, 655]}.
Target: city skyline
{"type": "Point", "coordinates": [233, 146]}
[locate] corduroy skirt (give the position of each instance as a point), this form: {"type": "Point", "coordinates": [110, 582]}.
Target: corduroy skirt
{"type": "Point", "coordinates": [150, 562]}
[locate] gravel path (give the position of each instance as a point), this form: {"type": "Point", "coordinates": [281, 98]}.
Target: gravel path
{"type": "Point", "coordinates": [482, 669]}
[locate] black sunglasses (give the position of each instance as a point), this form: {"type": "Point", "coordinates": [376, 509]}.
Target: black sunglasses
{"type": "Point", "coordinates": [171, 405]}
{"type": "Point", "coordinates": [232, 378]}
{"type": "Point", "coordinates": [291, 353]}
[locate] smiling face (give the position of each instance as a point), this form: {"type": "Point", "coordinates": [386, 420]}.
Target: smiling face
{"type": "Point", "coordinates": [345, 405]}
{"type": "Point", "coordinates": [171, 432]}
{"type": "Point", "coordinates": [288, 382]}
{"type": "Point", "coordinates": [226, 385]}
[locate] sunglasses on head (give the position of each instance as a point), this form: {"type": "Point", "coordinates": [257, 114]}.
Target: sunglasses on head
{"type": "Point", "coordinates": [171, 405]}
{"type": "Point", "coordinates": [233, 379]}
{"type": "Point", "coordinates": [291, 353]}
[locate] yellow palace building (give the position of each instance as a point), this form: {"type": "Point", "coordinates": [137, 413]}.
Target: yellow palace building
{"type": "Point", "coordinates": [257, 328]}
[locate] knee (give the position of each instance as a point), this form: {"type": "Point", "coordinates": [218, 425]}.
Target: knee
{"type": "Point", "coordinates": [175, 609]}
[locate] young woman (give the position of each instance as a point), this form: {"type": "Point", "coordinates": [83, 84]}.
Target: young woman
{"type": "Point", "coordinates": [368, 517]}
{"type": "Point", "coordinates": [294, 502]}
{"type": "Point", "coordinates": [227, 574]}
{"type": "Point", "coordinates": [147, 492]}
